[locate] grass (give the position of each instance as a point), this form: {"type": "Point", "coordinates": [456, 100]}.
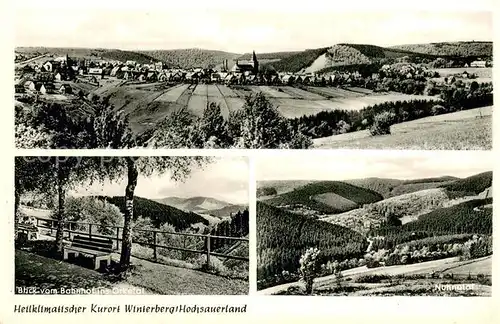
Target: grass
{"type": "Point", "coordinates": [414, 282]}
{"type": "Point", "coordinates": [33, 270]}
{"type": "Point", "coordinates": [464, 130]}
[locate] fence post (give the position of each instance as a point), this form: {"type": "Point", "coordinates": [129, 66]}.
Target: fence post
{"type": "Point", "coordinates": [155, 256]}
{"type": "Point", "coordinates": [90, 230]}
{"type": "Point", "coordinates": [117, 238]}
{"type": "Point", "coordinates": [208, 250]}
{"type": "Point", "coordinates": [52, 228]}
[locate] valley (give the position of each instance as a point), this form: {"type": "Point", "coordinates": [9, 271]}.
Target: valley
{"type": "Point", "coordinates": [405, 236]}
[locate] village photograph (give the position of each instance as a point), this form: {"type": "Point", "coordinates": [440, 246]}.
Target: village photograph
{"type": "Point", "coordinates": [169, 225]}
{"type": "Point", "coordinates": [375, 225]}
{"type": "Point", "coordinates": [225, 79]}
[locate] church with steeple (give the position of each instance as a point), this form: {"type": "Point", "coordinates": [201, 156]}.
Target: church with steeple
{"type": "Point", "coordinates": [247, 66]}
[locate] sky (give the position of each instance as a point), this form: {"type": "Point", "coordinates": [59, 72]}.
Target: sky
{"type": "Point", "coordinates": [225, 179]}
{"type": "Point", "coordinates": [363, 164]}
{"type": "Point", "coordinates": [241, 30]}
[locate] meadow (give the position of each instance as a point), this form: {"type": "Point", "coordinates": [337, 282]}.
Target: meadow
{"type": "Point", "coordinates": [463, 130]}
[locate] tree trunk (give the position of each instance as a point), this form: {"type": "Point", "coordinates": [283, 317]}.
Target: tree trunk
{"type": "Point", "coordinates": [61, 195]}
{"type": "Point", "coordinates": [132, 175]}
{"type": "Point", "coordinates": [17, 197]}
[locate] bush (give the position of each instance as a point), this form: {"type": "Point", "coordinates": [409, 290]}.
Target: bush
{"type": "Point", "coordinates": [382, 123]}
{"type": "Point", "coordinates": [438, 110]}
{"type": "Point", "coordinates": [374, 278]}
{"type": "Point", "coordinates": [216, 265]}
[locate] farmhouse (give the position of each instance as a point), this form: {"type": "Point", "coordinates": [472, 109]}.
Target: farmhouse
{"type": "Point", "coordinates": [152, 76]}
{"type": "Point", "coordinates": [29, 85]}
{"type": "Point", "coordinates": [47, 88]}
{"type": "Point", "coordinates": [288, 79]}
{"type": "Point", "coordinates": [95, 71]}
{"type": "Point", "coordinates": [479, 64]}
{"type": "Point", "coordinates": [44, 76]}
{"type": "Point", "coordinates": [51, 66]}
{"type": "Point", "coordinates": [65, 89]}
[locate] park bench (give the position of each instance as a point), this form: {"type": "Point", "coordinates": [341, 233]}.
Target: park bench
{"type": "Point", "coordinates": [99, 248]}
{"type": "Point", "coordinates": [27, 232]}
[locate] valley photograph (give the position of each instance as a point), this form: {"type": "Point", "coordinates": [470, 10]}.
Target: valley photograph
{"type": "Point", "coordinates": [167, 225]}
{"type": "Point", "coordinates": [375, 224]}
{"type": "Point", "coordinates": [224, 79]}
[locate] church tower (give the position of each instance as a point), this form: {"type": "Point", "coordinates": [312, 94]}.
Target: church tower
{"type": "Point", "coordinates": [255, 64]}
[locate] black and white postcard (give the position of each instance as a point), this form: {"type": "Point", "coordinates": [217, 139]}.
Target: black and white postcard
{"type": "Point", "coordinates": [124, 225]}
{"type": "Point", "coordinates": [375, 226]}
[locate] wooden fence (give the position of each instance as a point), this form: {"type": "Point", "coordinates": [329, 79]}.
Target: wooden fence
{"type": "Point", "coordinates": [71, 228]}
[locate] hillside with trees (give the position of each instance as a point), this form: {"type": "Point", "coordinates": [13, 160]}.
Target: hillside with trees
{"type": "Point", "coordinates": [461, 49]}
{"type": "Point", "coordinates": [469, 217]}
{"type": "Point", "coordinates": [472, 185]}
{"type": "Point", "coordinates": [395, 210]}
{"type": "Point", "coordinates": [191, 57]}
{"type": "Point", "coordinates": [75, 53]}
{"type": "Point", "coordinates": [227, 211]}
{"type": "Point", "coordinates": [283, 237]}
{"type": "Point", "coordinates": [158, 213]}
{"type": "Point", "coordinates": [313, 196]}
{"type": "Point", "coordinates": [298, 61]}
{"type": "Point", "coordinates": [194, 204]}
{"type": "Point", "coordinates": [394, 187]}
{"type": "Point", "coordinates": [235, 226]}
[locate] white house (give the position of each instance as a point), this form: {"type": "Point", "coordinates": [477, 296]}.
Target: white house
{"type": "Point", "coordinates": [479, 64]}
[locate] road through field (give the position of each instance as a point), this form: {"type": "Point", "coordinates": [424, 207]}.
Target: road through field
{"type": "Point", "coordinates": [443, 265]}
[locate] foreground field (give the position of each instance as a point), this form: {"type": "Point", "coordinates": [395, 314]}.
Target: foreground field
{"type": "Point", "coordinates": [35, 271]}
{"type": "Point", "coordinates": [464, 130]}
{"type": "Point", "coordinates": [414, 279]}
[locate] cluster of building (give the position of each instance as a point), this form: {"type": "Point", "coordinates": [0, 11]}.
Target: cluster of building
{"type": "Point", "coordinates": [42, 78]}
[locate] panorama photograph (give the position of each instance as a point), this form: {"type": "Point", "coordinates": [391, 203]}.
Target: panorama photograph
{"type": "Point", "coordinates": [131, 225]}
{"type": "Point", "coordinates": [222, 78]}
{"type": "Point", "coordinates": [375, 225]}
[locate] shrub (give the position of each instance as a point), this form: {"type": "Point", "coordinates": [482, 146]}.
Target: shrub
{"type": "Point", "coordinates": [216, 265]}
{"type": "Point", "coordinates": [372, 278]}
{"type": "Point", "coordinates": [382, 123]}
{"type": "Point", "coordinates": [309, 268]}
{"type": "Point", "coordinates": [438, 110]}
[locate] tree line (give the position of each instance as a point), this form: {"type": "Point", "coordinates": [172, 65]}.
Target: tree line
{"type": "Point", "coordinates": [455, 98]}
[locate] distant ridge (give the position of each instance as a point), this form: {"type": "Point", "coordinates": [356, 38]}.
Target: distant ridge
{"type": "Point", "coordinates": [334, 56]}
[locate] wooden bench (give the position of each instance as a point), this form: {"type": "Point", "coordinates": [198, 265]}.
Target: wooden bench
{"type": "Point", "coordinates": [100, 249]}
{"type": "Point", "coordinates": [29, 231]}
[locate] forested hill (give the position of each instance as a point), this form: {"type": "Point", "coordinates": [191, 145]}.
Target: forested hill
{"type": "Point", "coordinates": [282, 237]}
{"type": "Point", "coordinates": [327, 197]}
{"type": "Point", "coordinates": [345, 55]}
{"type": "Point", "coordinates": [192, 57]}
{"type": "Point", "coordinates": [90, 53]}
{"type": "Point", "coordinates": [462, 49]}
{"type": "Point", "coordinates": [394, 187]}
{"type": "Point", "coordinates": [159, 213]}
